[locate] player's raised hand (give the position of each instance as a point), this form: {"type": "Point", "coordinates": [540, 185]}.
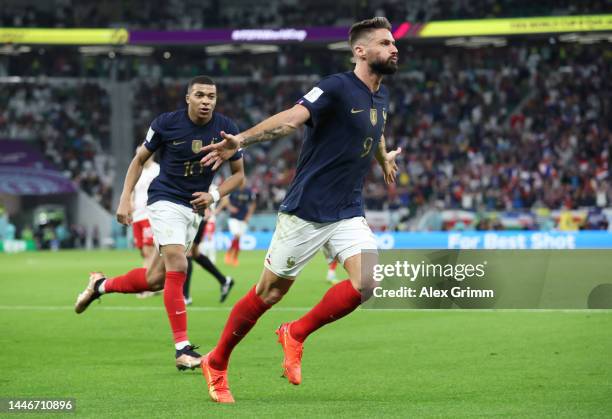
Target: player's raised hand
{"type": "Point", "coordinates": [124, 212]}
{"type": "Point", "coordinates": [390, 166]}
{"type": "Point", "coordinates": [217, 153]}
{"type": "Point", "coordinates": [201, 201]}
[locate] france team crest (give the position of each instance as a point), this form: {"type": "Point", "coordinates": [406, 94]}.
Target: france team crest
{"type": "Point", "coordinates": [373, 116]}
{"type": "Point", "coordinates": [196, 146]}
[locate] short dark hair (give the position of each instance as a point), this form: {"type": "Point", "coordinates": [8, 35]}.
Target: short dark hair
{"type": "Point", "coordinates": [359, 29]}
{"type": "Point", "coordinates": [199, 80]}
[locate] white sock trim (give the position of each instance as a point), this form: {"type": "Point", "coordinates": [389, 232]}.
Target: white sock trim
{"type": "Point", "coordinates": [180, 345]}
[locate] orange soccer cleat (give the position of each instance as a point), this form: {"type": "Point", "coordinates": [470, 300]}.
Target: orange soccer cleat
{"type": "Point", "coordinates": [218, 388]}
{"type": "Point", "coordinates": [292, 363]}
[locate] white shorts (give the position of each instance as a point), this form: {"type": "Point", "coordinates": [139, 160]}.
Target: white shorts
{"type": "Point", "coordinates": [296, 241]}
{"type": "Point", "coordinates": [237, 227]}
{"type": "Point", "coordinates": [173, 224]}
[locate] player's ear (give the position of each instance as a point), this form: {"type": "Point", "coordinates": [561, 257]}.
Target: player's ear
{"type": "Point", "coordinates": [359, 51]}
{"type": "Point", "coordinates": [187, 98]}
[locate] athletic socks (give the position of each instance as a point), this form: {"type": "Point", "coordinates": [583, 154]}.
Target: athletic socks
{"type": "Point", "coordinates": [235, 248]}
{"type": "Point", "coordinates": [338, 301]}
{"type": "Point", "coordinates": [175, 305]}
{"type": "Point", "coordinates": [241, 320]}
{"type": "Point", "coordinates": [134, 281]}
{"type": "Point", "coordinates": [207, 264]}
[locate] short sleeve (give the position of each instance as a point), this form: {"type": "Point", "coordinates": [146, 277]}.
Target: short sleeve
{"type": "Point", "coordinates": [153, 140]}
{"type": "Point", "coordinates": [232, 128]}
{"type": "Point", "coordinates": [320, 99]}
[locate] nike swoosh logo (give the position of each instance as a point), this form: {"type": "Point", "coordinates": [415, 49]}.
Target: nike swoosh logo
{"type": "Point", "coordinates": [180, 312]}
{"type": "Point", "coordinates": [177, 142]}
{"type": "Point", "coordinates": [353, 110]}
{"type": "Point", "coordinates": [236, 334]}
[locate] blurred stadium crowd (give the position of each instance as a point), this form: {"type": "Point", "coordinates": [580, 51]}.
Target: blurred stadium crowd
{"type": "Point", "coordinates": [71, 125]}
{"type": "Point", "coordinates": [196, 14]}
{"type": "Point", "coordinates": [499, 128]}
{"type": "Point", "coordinates": [513, 128]}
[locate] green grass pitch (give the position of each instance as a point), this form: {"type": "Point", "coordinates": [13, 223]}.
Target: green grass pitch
{"type": "Point", "coordinates": [117, 359]}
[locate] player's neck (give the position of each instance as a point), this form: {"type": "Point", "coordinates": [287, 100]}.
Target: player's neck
{"type": "Point", "coordinates": [370, 79]}
{"type": "Point", "coordinates": [199, 121]}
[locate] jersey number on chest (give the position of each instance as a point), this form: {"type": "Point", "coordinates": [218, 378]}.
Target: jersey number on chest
{"type": "Point", "coordinates": [193, 168]}
{"type": "Point", "coordinates": [367, 146]}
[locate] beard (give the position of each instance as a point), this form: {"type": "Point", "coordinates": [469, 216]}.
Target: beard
{"type": "Point", "coordinates": [384, 67]}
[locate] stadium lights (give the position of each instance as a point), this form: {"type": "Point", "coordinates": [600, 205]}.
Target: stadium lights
{"type": "Point", "coordinates": [476, 42]}
{"type": "Point", "coordinates": [339, 46]}
{"type": "Point", "coordinates": [124, 50]}
{"type": "Point", "coordinates": [9, 49]}
{"type": "Point", "coordinates": [237, 49]}
{"type": "Point", "coordinates": [222, 49]}
{"type": "Point", "coordinates": [93, 50]}
{"type": "Point", "coordinates": [136, 50]}
{"type": "Point", "coordinates": [260, 48]}
{"type": "Point", "coordinates": [586, 39]}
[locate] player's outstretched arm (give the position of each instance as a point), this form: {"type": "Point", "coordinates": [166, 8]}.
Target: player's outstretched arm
{"type": "Point", "coordinates": [203, 200]}
{"type": "Point", "coordinates": [386, 160]}
{"type": "Point", "coordinates": [273, 128]}
{"type": "Point", "coordinates": [124, 210]}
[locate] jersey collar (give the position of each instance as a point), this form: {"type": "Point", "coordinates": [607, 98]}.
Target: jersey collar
{"type": "Point", "coordinates": [361, 84]}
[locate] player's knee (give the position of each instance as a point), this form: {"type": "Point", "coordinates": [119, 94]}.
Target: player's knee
{"type": "Point", "coordinates": [272, 296]}
{"type": "Point", "coordinates": [271, 292]}
{"type": "Point", "coordinates": [357, 282]}
{"type": "Point", "coordinates": [155, 279]}
{"type": "Point", "coordinates": [175, 262]}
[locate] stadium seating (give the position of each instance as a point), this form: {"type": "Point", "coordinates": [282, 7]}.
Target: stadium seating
{"type": "Point", "coordinates": [279, 13]}
{"type": "Point", "coordinates": [70, 122]}
{"type": "Point", "coordinates": [481, 130]}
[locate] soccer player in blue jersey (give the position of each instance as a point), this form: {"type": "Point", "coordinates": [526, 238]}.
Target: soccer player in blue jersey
{"type": "Point", "coordinates": [176, 198]}
{"type": "Point", "coordinates": [241, 206]}
{"type": "Point", "coordinates": [345, 116]}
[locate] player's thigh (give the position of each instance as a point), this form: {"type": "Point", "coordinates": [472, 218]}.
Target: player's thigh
{"type": "Point", "coordinates": [294, 243]}
{"type": "Point", "coordinates": [351, 239]}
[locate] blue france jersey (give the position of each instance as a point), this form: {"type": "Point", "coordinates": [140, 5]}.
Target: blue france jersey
{"type": "Point", "coordinates": [241, 199]}
{"type": "Point", "coordinates": [345, 126]}
{"type": "Point", "coordinates": [178, 142]}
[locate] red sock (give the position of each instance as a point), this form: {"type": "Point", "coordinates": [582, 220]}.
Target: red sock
{"type": "Point", "coordinates": [175, 305]}
{"type": "Point", "coordinates": [241, 320]}
{"type": "Point", "coordinates": [132, 282]}
{"type": "Point", "coordinates": [332, 266]}
{"type": "Point", "coordinates": [235, 249]}
{"type": "Point", "coordinates": [337, 302]}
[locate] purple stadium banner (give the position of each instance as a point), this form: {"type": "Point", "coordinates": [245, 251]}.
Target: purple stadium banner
{"type": "Point", "coordinates": [262, 35]}
{"type": "Point", "coordinates": [25, 171]}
